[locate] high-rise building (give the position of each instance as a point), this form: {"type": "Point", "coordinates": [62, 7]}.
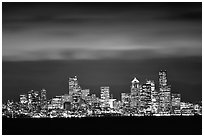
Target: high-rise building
{"type": "Point", "coordinates": [105, 93]}
{"type": "Point", "coordinates": [43, 95]}
{"type": "Point", "coordinates": [34, 100]}
{"type": "Point", "coordinates": [154, 97]}
{"type": "Point", "coordinates": [135, 94]}
{"type": "Point", "coordinates": [164, 94]}
{"type": "Point", "coordinates": [73, 85]}
{"type": "Point", "coordinates": [162, 78]}
{"type": "Point", "coordinates": [175, 103]}
{"type": "Point", "coordinates": [145, 99]}
{"type": "Point", "coordinates": [105, 96]}
{"type": "Point", "coordinates": [43, 98]}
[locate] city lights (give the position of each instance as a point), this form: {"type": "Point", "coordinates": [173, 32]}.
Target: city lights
{"type": "Point", "coordinates": [142, 100]}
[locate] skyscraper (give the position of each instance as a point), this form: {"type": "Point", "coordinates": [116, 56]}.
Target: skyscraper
{"type": "Point", "coordinates": [162, 78]}
{"type": "Point", "coordinates": [73, 85]}
{"type": "Point", "coordinates": [135, 94]}
{"type": "Point", "coordinates": [175, 102]}
{"type": "Point", "coordinates": [34, 100]}
{"type": "Point", "coordinates": [105, 96]}
{"type": "Point", "coordinates": [43, 98]}
{"type": "Point", "coordinates": [43, 95]}
{"type": "Point", "coordinates": [164, 94]}
{"type": "Point", "coordinates": [154, 97]}
{"type": "Point", "coordinates": [145, 99]}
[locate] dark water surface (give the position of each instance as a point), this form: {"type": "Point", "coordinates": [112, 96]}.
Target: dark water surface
{"type": "Point", "coordinates": [189, 125]}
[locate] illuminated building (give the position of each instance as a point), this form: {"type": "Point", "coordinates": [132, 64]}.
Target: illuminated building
{"type": "Point", "coordinates": [142, 100]}
{"type": "Point", "coordinates": [163, 78]}
{"type": "Point", "coordinates": [187, 109]}
{"type": "Point", "coordinates": [76, 99]}
{"type": "Point", "coordinates": [164, 94]}
{"type": "Point", "coordinates": [135, 94]}
{"type": "Point", "coordinates": [111, 102]}
{"type": "Point", "coordinates": [125, 98]}
{"type": "Point", "coordinates": [145, 99]}
{"type": "Point", "coordinates": [84, 93]}
{"type": "Point", "coordinates": [197, 109]}
{"type": "Point", "coordinates": [105, 96]}
{"type": "Point", "coordinates": [73, 85]}
{"type": "Point", "coordinates": [66, 101]}
{"type": "Point", "coordinates": [154, 98]}
{"type": "Point", "coordinates": [175, 103]}
{"type": "Point", "coordinates": [34, 100]}
{"type": "Point", "coordinates": [23, 99]}
{"type": "Point", "coordinates": [56, 103]}
{"type": "Point", "coordinates": [43, 98]}
{"type": "Point", "coordinates": [43, 94]}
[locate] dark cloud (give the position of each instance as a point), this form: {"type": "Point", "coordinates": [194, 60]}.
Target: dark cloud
{"type": "Point", "coordinates": [102, 43]}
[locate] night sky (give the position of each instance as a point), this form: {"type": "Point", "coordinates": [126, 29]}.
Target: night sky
{"type": "Point", "coordinates": [104, 44]}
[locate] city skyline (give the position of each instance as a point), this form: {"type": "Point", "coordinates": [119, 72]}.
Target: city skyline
{"type": "Point", "coordinates": [75, 78]}
{"type": "Point", "coordinates": [102, 68]}
{"type": "Point", "coordinates": [144, 99]}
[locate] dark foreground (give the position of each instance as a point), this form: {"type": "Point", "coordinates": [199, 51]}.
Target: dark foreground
{"type": "Point", "coordinates": [189, 125]}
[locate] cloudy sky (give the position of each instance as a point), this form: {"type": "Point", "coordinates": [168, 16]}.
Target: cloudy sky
{"type": "Point", "coordinates": [102, 43]}
{"type": "Point", "coordinates": [97, 31]}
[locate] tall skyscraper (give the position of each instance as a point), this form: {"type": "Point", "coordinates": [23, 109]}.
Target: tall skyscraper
{"type": "Point", "coordinates": [43, 98]}
{"type": "Point", "coordinates": [73, 85]}
{"type": "Point", "coordinates": [135, 94]}
{"type": "Point", "coordinates": [154, 97]}
{"type": "Point", "coordinates": [162, 78]}
{"type": "Point", "coordinates": [34, 100]}
{"type": "Point", "coordinates": [43, 95]}
{"type": "Point", "coordinates": [176, 102]}
{"type": "Point", "coordinates": [105, 96]}
{"type": "Point", "coordinates": [164, 94]}
{"type": "Point", "coordinates": [145, 99]}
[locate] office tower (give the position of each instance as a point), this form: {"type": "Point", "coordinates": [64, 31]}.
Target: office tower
{"type": "Point", "coordinates": [30, 97]}
{"type": "Point", "coordinates": [85, 93]}
{"type": "Point", "coordinates": [23, 99]}
{"type": "Point", "coordinates": [175, 103]}
{"type": "Point", "coordinates": [145, 99]}
{"type": "Point", "coordinates": [43, 94]}
{"type": "Point", "coordinates": [43, 98]}
{"type": "Point", "coordinates": [135, 94]}
{"type": "Point", "coordinates": [162, 78]}
{"type": "Point", "coordinates": [74, 87]}
{"type": "Point", "coordinates": [34, 100]}
{"type": "Point", "coordinates": [154, 97]}
{"type": "Point", "coordinates": [105, 96]}
{"type": "Point", "coordinates": [164, 94]}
